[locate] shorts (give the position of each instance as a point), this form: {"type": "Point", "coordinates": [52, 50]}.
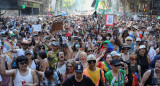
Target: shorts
{"type": "Point", "coordinates": [0, 78]}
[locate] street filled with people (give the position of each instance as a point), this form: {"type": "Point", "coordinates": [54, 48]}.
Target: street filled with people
{"type": "Point", "coordinates": [79, 50]}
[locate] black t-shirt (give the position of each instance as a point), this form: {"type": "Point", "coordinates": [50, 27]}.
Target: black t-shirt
{"type": "Point", "coordinates": [72, 82]}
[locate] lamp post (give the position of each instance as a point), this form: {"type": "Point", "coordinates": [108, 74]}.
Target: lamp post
{"type": "Point", "coordinates": [124, 7]}
{"type": "Point", "coordinates": [158, 8]}
{"type": "Point", "coordinates": [152, 1]}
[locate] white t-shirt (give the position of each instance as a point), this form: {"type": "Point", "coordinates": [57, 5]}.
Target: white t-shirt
{"type": "Point", "coordinates": [20, 52]}
{"type": "Point", "coordinates": [0, 78]}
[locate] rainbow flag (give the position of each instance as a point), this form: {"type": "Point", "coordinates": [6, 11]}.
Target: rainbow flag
{"type": "Point", "coordinates": [7, 46]}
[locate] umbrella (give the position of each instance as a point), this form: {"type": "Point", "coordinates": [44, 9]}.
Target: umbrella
{"type": "Point", "coordinates": [64, 14]}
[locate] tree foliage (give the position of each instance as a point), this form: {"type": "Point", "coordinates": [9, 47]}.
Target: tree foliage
{"type": "Point", "coordinates": [68, 3]}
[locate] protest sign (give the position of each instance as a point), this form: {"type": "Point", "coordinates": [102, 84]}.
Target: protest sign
{"type": "Point", "coordinates": [109, 21]}
{"type": "Point", "coordinates": [57, 26]}
{"type": "Point", "coordinates": [36, 28]}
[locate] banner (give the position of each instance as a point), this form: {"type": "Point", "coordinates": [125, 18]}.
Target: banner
{"type": "Point", "coordinates": [109, 21]}
{"type": "Point", "coordinates": [36, 28]}
{"type": "Point", "coordinates": [57, 26]}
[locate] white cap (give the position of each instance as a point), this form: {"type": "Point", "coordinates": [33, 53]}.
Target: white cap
{"type": "Point", "coordinates": [142, 47]}
{"type": "Point", "coordinates": [135, 27]}
{"type": "Point", "coordinates": [114, 53]}
{"type": "Point", "coordinates": [91, 57]}
{"type": "Point", "coordinates": [138, 39]}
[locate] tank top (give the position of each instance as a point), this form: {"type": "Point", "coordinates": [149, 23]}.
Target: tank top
{"type": "Point", "coordinates": [134, 68]}
{"type": "Point", "coordinates": [33, 65]}
{"type": "Point", "coordinates": [19, 78]}
{"type": "Point", "coordinates": [152, 80]}
{"type": "Point", "coordinates": [61, 69]}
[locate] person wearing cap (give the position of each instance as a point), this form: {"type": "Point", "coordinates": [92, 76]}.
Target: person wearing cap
{"type": "Point", "coordinates": [31, 61]}
{"type": "Point", "coordinates": [129, 42]}
{"type": "Point", "coordinates": [143, 58]}
{"type": "Point", "coordinates": [52, 55]}
{"type": "Point", "coordinates": [115, 55]}
{"type": "Point", "coordinates": [93, 72]}
{"type": "Point", "coordinates": [138, 42]}
{"type": "Point", "coordinates": [125, 52]}
{"type": "Point", "coordinates": [116, 76]}
{"type": "Point", "coordinates": [12, 35]}
{"type": "Point", "coordinates": [78, 79]}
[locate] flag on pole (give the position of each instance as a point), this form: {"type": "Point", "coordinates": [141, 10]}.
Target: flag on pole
{"type": "Point", "coordinates": [7, 46]}
{"type": "Point", "coordinates": [96, 5]}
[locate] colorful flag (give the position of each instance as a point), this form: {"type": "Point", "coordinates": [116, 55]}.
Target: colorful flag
{"type": "Point", "coordinates": [96, 5]}
{"type": "Point", "coordinates": [7, 46]}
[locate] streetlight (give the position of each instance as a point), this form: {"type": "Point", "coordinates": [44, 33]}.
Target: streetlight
{"type": "Point", "coordinates": [151, 8]}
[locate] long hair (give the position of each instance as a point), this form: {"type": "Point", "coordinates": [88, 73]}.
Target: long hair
{"type": "Point", "coordinates": [145, 55]}
{"type": "Point", "coordinates": [70, 61]}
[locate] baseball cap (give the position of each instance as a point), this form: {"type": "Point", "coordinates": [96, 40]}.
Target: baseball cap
{"type": "Point", "coordinates": [78, 68]}
{"type": "Point", "coordinates": [28, 52]}
{"type": "Point", "coordinates": [91, 57]}
{"type": "Point", "coordinates": [138, 39]}
{"type": "Point", "coordinates": [125, 46]}
{"type": "Point", "coordinates": [55, 43]}
{"type": "Point", "coordinates": [106, 42]}
{"type": "Point", "coordinates": [142, 47]}
{"type": "Point", "coordinates": [115, 62]}
{"type": "Point", "coordinates": [35, 35]}
{"type": "Point", "coordinates": [114, 53]}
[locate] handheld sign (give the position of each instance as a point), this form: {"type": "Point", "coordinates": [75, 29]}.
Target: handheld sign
{"type": "Point", "coordinates": [36, 28]}
{"type": "Point", "coordinates": [57, 26]}
{"type": "Point", "coordinates": [109, 21]}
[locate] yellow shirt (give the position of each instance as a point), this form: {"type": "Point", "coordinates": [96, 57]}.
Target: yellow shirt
{"type": "Point", "coordinates": [94, 75]}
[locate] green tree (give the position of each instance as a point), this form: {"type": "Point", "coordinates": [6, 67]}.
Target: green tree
{"type": "Point", "coordinates": [68, 4]}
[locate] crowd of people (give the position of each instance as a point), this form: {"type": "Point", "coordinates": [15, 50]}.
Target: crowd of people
{"type": "Point", "coordinates": [84, 52]}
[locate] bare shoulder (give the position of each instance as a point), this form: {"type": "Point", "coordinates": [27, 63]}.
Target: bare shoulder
{"type": "Point", "coordinates": [147, 73]}
{"type": "Point", "coordinates": [33, 72]}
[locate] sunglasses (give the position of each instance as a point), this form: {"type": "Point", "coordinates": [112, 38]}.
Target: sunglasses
{"type": "Point", "coordinates": [23, 63]}
{"type": "Point", "coordinates": [116, 65]}
{"type": "Point", "coordinates": [92, 61]}
{"type": "Point", "coordinates": [125, 49]}
{"type": "Point", "coordinates": [129, 40]}
{"type": "Point", "coordinates": [90, 51]}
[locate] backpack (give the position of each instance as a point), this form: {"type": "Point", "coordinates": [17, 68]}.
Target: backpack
{"type": "Point", "coordinates": [14, 65]}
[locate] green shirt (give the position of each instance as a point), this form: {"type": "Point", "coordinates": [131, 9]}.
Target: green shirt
{"type": "Point", "coordinates": [109, 78]}
{"type": "Point", "coordinates": [53, 59]}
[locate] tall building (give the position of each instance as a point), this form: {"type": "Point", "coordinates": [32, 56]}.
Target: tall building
{"type": "Point", "coordinates": [30, 7]}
